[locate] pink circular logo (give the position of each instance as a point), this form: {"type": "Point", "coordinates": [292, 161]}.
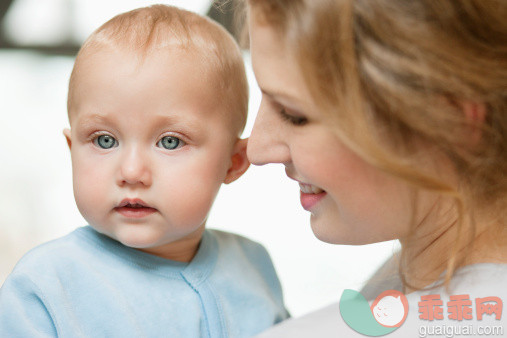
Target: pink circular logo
{"type": "Point", "coordinates": [390, 308]}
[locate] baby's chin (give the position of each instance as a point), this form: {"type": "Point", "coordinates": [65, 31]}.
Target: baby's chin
{"type": "Point", "coordinates": [135, 236]}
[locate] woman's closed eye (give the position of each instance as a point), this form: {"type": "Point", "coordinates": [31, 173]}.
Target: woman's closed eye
{"type": "Point", "coordinates": [105, 141]}
{"type": "Point", "coordinates": [170, 143]}
{"type": "Point", "coordinates": [293, 119]}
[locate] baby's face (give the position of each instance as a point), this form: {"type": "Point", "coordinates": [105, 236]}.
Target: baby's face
{"type": "Point", "coordinates": [150, 146]}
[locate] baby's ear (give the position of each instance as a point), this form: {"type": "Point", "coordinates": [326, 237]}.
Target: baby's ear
{"type": "Point", "coordinates": [239, 162]}
{"type": "Point", "coordinates": [66, 133]}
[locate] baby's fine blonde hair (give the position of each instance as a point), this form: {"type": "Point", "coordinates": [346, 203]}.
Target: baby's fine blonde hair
{"type": "Point", "coordinates": [395, 74]}
{"type": "Point", "coordinates": [150, 29]}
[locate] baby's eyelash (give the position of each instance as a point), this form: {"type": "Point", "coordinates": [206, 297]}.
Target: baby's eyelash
{"type": "Point", "coordinates": [96, 134]}
{"type": "Point", "coordinates": [95, 138]}
{"type": "Point", "coordinates": [295, 120]}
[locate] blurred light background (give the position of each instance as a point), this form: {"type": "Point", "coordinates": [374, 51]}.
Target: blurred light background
{"type": "Point", "coordinates": [37, 43]}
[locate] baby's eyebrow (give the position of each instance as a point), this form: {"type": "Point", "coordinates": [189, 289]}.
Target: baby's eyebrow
{"type": "Point", "coordinates": [93, 119]}
{"type": "Point", "coordinates": [188, 122]}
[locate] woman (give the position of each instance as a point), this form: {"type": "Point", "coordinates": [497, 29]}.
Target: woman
{"type": "Point", "coordinates": [391, 115]}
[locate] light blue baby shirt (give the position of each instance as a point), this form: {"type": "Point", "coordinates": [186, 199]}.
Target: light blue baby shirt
{"type": "Point", "coordinates": [88, 285]}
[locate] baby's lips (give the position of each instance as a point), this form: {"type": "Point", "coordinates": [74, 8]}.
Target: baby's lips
{"type": "Point", "coordinates": [133, 202]}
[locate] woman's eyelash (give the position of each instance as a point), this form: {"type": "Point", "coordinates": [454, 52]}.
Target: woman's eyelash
{"type": "Point", "coordinates": [295, 120]}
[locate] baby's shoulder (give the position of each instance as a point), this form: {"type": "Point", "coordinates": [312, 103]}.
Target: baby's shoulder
{"type": "Point", "coordinates": [228, 241]}
{"type": "Point", "coordinates": [46, 258]}
{"type": "Point", "coordinates": [248, 258]}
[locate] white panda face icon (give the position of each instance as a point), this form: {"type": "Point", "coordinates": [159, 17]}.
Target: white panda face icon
{"type": "Point", "coordinates": [389, 311]}
{"type": "Point", "coordinates": [390, 308]}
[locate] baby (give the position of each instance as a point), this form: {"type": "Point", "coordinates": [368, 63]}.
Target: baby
{"type": "Point", "coordinates": [157, 102]}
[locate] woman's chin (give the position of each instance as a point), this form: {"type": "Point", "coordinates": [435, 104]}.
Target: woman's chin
{"type": "Point", "coordinates": [333, 232]}
{"type": "Point", "coordinates": [328, 232]}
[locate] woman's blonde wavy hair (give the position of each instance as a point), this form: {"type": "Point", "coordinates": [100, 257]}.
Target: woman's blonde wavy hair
{"type": "Point", "coordinates": [401, 71]}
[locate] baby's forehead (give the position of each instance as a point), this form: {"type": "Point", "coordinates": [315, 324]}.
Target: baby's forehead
{"type": "Point", "coordinates": [174, 80]}
{"type": "Point", "coordinates": [139, 60]}
{"type": "Point", "coordinates": [188, 65]}
{"type": "Point", "coordinates": [191, 38]}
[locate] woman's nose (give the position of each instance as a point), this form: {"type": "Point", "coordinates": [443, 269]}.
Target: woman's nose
{"type": "Point", "coordinates": [267, 143]}
{"type": "Point", "coordinates": [134, 168]}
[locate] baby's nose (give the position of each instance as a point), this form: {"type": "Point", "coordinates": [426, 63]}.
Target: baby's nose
{"type": "Point", "coordinates": [135, 169]}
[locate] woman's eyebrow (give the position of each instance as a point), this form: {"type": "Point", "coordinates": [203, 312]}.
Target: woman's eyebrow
{"type": "Point", "coordinates": [276, 94]}
{"type": "Point", "coordinates": [284, 98]}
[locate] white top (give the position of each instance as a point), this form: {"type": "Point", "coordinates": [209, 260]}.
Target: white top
{"type": "Point", "coordinates": [476, 281]}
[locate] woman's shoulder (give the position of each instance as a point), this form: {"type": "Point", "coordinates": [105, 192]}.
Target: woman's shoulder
{"type": "Point", "coordinates": [321, 323]}
{"type": "Point", "coordinates": [471, 282]}
{"type": "Point", "coordinates": [475, 281]}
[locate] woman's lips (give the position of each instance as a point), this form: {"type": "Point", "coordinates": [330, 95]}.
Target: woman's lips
{"type": "Point", "coordinates": [310, 195]}
{"type": "Point", "coordinates": [308, 201]}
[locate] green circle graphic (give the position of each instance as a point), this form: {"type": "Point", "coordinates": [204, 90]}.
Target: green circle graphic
{"type": "Point", "coordinates": [356, 312]}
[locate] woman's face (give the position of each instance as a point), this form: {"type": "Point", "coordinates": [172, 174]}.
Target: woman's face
{"type": "Point", "coordinates": [350, 201]}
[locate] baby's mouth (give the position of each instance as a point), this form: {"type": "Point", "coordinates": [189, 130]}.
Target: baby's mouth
{"type": "Point", "coordinates": [134, 208]}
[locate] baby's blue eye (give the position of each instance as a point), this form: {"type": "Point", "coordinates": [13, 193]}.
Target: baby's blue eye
{"type": "Point", "coordinates": [105, 141]}
{"type": "Point", "coordinates": [170, 142]}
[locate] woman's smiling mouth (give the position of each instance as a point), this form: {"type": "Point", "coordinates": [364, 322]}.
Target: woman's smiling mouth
{"type": "Point", "coordinates": [310, 195]}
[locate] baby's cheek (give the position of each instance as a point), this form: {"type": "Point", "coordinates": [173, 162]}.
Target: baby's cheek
{"type": "Point", "coordinates": [195, 200]}
{"type": "Point", "coordinates": [89, 192]}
